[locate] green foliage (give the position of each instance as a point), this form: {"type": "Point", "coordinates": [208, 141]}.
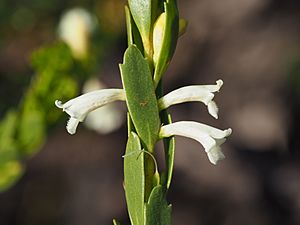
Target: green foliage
{"type": "Point", "coordinates": [8, 146]}
{"type": "Point", "coordinates": [24, 130]}
{"type": "Point", "coordinates": [141, 12]}
{"type": "Point", "coordinates": [145, 190]}
{"type": "Point", "coordinates": [10, 172]}
{"type": "Point", "coordinates": [129, 28]}
{"type": "Point", "coordinates": [140, 95]}
{"type": "Point", "coordinates": [133, 36]}
{"type": "Point", "coordinates": [10, 168]}
{"type": "Point", "coordinates": [169, 143]}
{"type": "Point", "coordinates": [55, 58]}
{"type": "Point", "coordinates": [134, 179]}
{"type": "Point", "coordinates": [152, 32]}
{"type": "Point", "coordinates": [57, 75]}
{"type": "Point", "coordinates": [53, 80]}
{"type": "Point", "coordinates": [169, 147]}
{"type": "Point", "coordinates": [169, 40]}
{"type": "Point", "coordinates": [158, 211]}
{"type": "Point", "coordinates": [31, 128]}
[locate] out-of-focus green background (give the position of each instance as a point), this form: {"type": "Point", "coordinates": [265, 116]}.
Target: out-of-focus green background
{"type": "Point", "coordinates": [253, 45]}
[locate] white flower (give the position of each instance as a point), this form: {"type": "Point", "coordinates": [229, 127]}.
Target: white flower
{"type": "Point", "coordinates": [201, 93]}
{"type": "Point", "coordinates": [79, 107]}
{"type": "Point", "coordinates": [106, 119]}
{"type": "Point", "coordinates": [75, 29]}
{"type": "Point", "coordinates": [211, 138]}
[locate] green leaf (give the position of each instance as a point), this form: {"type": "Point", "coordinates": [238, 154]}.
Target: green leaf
{"type": "Point", "coordinates": [134, 179]}
{"type": "Point", "coordinates": [158, 212]}
{"type": "Point", "coordinates": [169, 40]}
{"type": "Point", "coordinates": [10, 169]}
{"type": "Point", "coordinates": [56, 57]}
{"type": "Point", "coordinates": [115, 222]}
{"type": "Point", "coordinates": [133, 35]}
{"type": "Point", "coordinates": [157, 6]}
{"type": "Point", "coordinates": [128, 26]}
{"type": "Point", "coordinates": [141, 13]}
{"type": "Point", "coordinates": [32, 127]}
{"type": "Point", "coordinates": [8, 144]}
{"type": "Point", "coordinates": [169, 147]}
{"type": "Point", "coordinates": [10, 172]}
{"type": "Point", "coordinates": [169, 143]}
{"type": "Point", "coordinates": [130, 126]}
{"type": "Point", "coordinates": [140, 96]}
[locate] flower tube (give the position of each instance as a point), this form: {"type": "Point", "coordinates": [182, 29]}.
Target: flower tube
{"type": "Point", "coordinates": [79, 107]}
{"type": "Point", "coordinates": [201, 93]}
{"type": "Point", "coordinates": [211, 138]}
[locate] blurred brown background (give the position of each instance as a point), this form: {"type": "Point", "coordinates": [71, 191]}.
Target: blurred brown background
{"type": "Point", "coordinates": [253, 45]}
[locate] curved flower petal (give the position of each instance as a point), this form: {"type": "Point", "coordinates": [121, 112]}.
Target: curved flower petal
{"type": "Point", "coordinates": [72, 125]}
{"type": "Point", "coordinates": [211, 138]}
{"type": "Point", "coordinates": [213, 109]}
{"type": "Point", "coordinates": [214, 87]}
{"type": "Point", "coordinates": [215, 154]}
{"type": "Point", "coordinates": [201, 93]}
{"type": "Point", "coordinates": [80, 106]}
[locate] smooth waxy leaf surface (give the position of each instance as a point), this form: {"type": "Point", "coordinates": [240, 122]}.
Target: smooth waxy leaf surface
{"type": "Point", "coordinates": [134, 179]}
{"type": "Point", "coordinates": [141, 12]}
{"type": "Point", "coordinates": [169, 147]}
{"type": "Point", "coordinates": [169, 39]}
{"type": "Point", "coordinates": [169, 143]}
{"type": "Point", "coordinates": [133, 35]}
{"type": "Point", "coordinates": [140, 96]}
{"type": "Point", "coordinates": [128, 26]}
{"type": "Point", "coordinates": [158, 212]}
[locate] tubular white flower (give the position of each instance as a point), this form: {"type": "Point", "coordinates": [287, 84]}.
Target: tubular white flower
{"type": "Point", "coordinates": [79, 107]}
{"type": "Point", "coordinates": [75, 29]}
{"type": "Point", "coordinates": [211, 138]}
{"type": "Point", "coordinates": [111, 117]}
{"type": "Point", "coordinates": [201, 93]}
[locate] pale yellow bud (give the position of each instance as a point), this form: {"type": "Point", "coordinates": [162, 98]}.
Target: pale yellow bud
{"type": "Point", "coordinates": [158, 36]}
{"type": "Point", "coordinates": [182, 26]}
